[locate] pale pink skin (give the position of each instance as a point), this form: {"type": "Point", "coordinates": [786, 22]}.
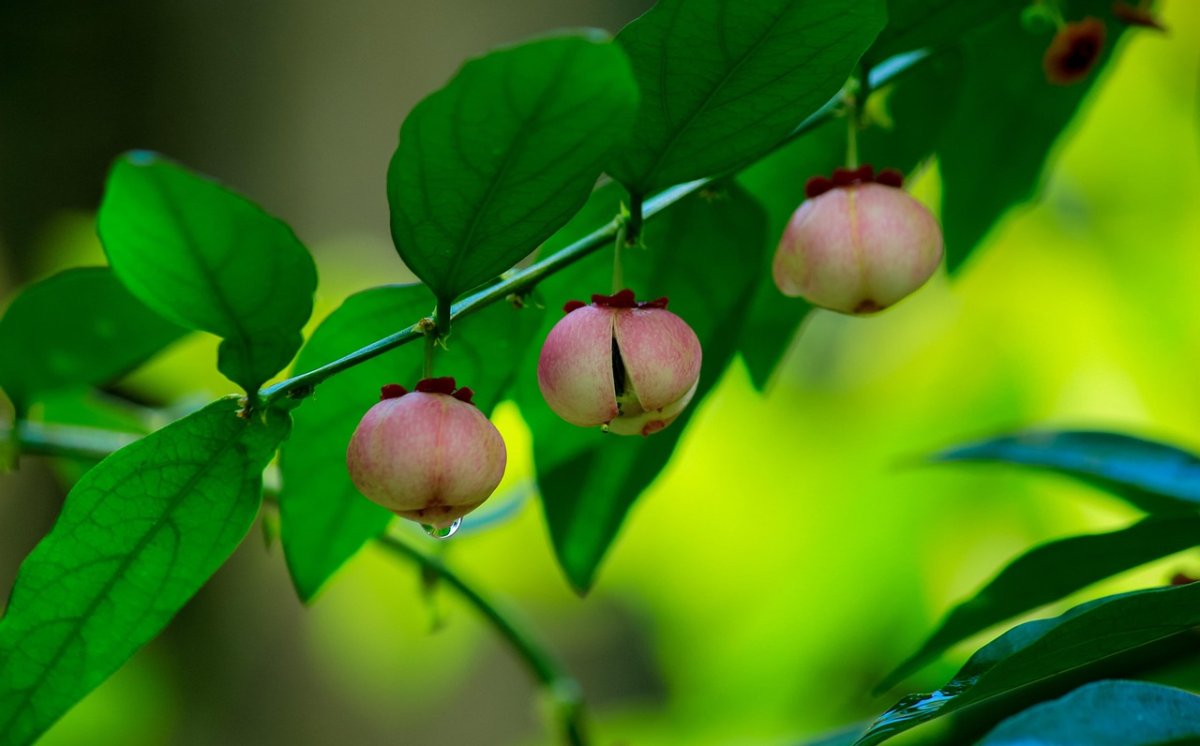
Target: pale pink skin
{"type": "Point", "coordinates": [661, 355]}
{"type": "Point", "coordinates": [427, 457]}
{"type": "Point", "coordinates": [858, 249]}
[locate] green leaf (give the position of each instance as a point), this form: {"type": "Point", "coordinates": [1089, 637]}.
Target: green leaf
{"type": "Point", "coordinates": [705, 255]}
{"type": "Point", "coordinates": [1050, 572]}
{"type": "Point", "coordinates": [491, 165]}
{"type": "Point", "coordinates": [1152, 476]}
{"type": "Point", "coordinates": [1106, 713]}
{"type": "Point", "coordinates": [77, 328]}
{"type": "Point", "coordinates": [137, 537]}
{"type": "Point", "coordinates": [936, 24]}
{"type": "Point", "coordinates": [1035, 653]}
{"type": "Point", "coordinates": [210, 260]}
{"type": "Point", "coordinates": [916, 104]}
{"type": "Point", "coordinates": [723, 81]}
{"type": "Point", "coordinates": [995, 145]}
{"type": "Point", "coordinates": [323, 518]}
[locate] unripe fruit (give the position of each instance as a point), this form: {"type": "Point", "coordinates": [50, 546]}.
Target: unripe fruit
{"type": "Point", "coordinates": [631, 367]}
{"type": "Point", "coordinates": [859, 243]}
{"type": "Point", "coordinates": [428, 455]}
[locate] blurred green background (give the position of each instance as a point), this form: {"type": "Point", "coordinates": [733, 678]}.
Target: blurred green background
{"type": "Point", "coordinates": [792, 552]}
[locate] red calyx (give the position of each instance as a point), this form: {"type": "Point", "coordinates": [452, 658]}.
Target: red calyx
{"type": "Point", "coordinates": [445, 385]}
{"type": "Point", "coordinates": [844, 177]}
{"type": "Point", "coordinates": [622, 299]}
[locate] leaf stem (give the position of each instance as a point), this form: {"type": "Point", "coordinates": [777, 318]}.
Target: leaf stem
{"type": "Point", "coordinates": [564, 691]}
{"type": "Point", "coordinates": [430, 344]}
{"type": "Point", "coordinates": [618, 282]}
{"type": "Point", "coordinates": [302, 385]}
{"type": "Point", "coordinates": [68, 441]}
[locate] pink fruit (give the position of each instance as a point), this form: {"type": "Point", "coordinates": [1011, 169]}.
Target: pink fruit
{"type": "Point", "coordinates": [859, 243]}
{"type": "Point", "coordinates": [616, 362]}
{"type": "Point", "coordinates": [428, 455]}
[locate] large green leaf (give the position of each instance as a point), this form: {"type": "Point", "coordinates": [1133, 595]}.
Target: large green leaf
{"type": "Point", "coordinates": [705, 255]}
{"type": "Point", "coordinates": [917, 103]}
{"type": "Point", "coordinates": [1035, 653]}
{"type": "Point", "coordinates": [995, 145]}
{"type": "Point", "coordinates": [489, 166]}
{"type": "Point", "coordinates": [323, 518]}
{"type": "Point", "coordinates": [138, 536]}
{"type": "Point", "coordinates": [1050, 572]}
{"type": "Point", "coordinates": [79, 327]}
{"type": "Point", "coordinates": [724, 81]}
{"type": "Point", "coordinates": [1106, 713]}
{"type": "Point", "coordinates": [209, 260]}
{"type": "Point", "coordinates": [936, 24]}
{"type": "Point", "coordinates": [1153, 476]}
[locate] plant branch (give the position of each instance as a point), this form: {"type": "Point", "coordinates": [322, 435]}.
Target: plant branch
{"type": "Point", "coordinates": [562, 688]}
{"type": "Point", "coordinates": [302, 385]}
{"type": "Point", "coordinates": [68, 441]}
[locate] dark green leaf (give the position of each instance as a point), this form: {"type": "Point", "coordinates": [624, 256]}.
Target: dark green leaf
{"type": "Point", "coordinates": [995, 146]}
{"type": "Point", "coordinates": [1036, 652]}
{"type": "Point", "coordinates": [209, 260]}
{"type": "Point", "coordinates": [723, 81]}
{"type": "Point", "coordinates": [491, 165]}
{"type": "Point", "coordinates": [705, 255]}
{"type": "Point", "coordinates": [936, 24]}
{"type": "Point", "coordinates": [1153, 476]}
{"type": "Point", "coordinates": [916, 107]}
{"type": "Point", "coordinates": [138, 536]}
{"type": "Point", "coordinates": [1050, 572]}
{"type": "Point", "coordinates": [324, 519]}
{"type": "Point", "coordinates": [1106, 713]}
{"type": "Point", "coordinates": [80, 327]}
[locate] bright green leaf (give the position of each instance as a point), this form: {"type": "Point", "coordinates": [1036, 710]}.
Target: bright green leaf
{"type": "Point", "coordinates": [995, 145]}
{"type": "Point", "coordinates": [1153, 476]}
{"type": "Point", "coordinates": [705, 255]}
{"type": "Point", "coordinates": [491, 165]}
{"type": "Point", "coordinates": [209, 260]}
{"type": "Point", "coordinates": [1050, 572]}
{"type": "Point", "coordinates": [1106, 713]}
{"type": "Point", "coordinates": [138, 535]}
{"type": "Point", "coordinates": [724, 81]}
{"type": "Point", "coordinates": [77, 328]}
{"type": "Point", "coordinates": [1035, 653]}
{"type": "Point", "coordinates": [324, 519]}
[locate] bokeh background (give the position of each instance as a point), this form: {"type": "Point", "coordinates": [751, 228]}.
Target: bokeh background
{"type": "Point", "coordinates": [793, 551]}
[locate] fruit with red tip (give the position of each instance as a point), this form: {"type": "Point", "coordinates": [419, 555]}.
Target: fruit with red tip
{"type": "Point", "coordinates": [629, 366]}
{"type": "Point", "coordinates": [428, 455]}
{"type": "Point", "coordinates": [858, 244]}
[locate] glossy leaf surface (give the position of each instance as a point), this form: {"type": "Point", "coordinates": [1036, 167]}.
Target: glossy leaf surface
{"type": "Point", "coordinates": [1050, 572]}
{"type": "Point", "coordinates": [724, 81]}
{"type": "Point", "coordinates": [1153, 476]}
{"type": "Point", "coordinates": [1036, 652]}
{"type": "Point", "coordinates": [138, 535]}
{"type": "Point", "coordinates": [76, 328]}
{"type": "Point", "coordinates": [491, 165]}
{"type": "Point", "coordinates": [1106, 713]}
{"type": "Point", "coordinates": [323, 518]}
{"type": "Point", "coordinates": [209, 260]}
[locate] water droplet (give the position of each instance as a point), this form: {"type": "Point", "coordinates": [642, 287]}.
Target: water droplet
{"type": "Point", "coordinates": [442, 532]}
{"type": "Point", "coordinates": [604, 428]}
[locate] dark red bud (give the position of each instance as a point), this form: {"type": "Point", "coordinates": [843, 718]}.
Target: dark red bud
{"type": "Point", "coordinates": [464, 394]}
{"type": "Point", "coordinates": [816, 186]}
{"type": "Point", "coordinates": [573, 305]}
{"type": "Point", "coordinates": [392, 391]}
{"type": "Point", "coordinates": [656, 303]}
{"type": "Point", "coordinates": [622, 299]}
{"type": "Point", "coordinates": [443, 385]}
{"type": "Point", "coordinates": [890, 177]}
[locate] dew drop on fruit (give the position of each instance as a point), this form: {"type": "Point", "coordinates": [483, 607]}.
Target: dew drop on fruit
{"type": "Point", "coordinates": [445, 532]}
